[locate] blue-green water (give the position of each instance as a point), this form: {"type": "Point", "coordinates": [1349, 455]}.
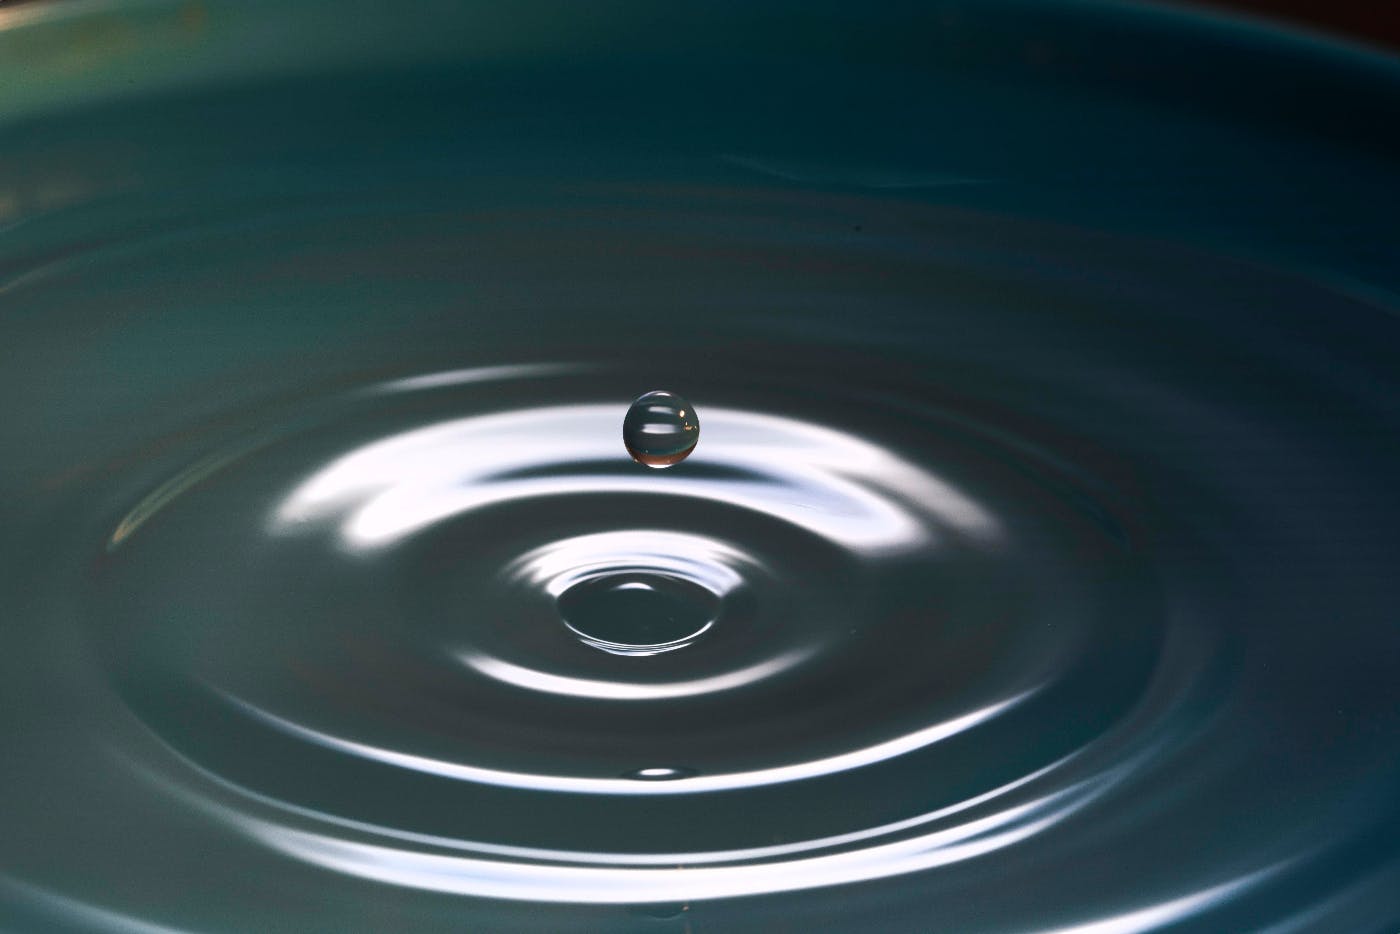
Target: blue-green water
{"type": "Point", "coordinates": [1036, 571]}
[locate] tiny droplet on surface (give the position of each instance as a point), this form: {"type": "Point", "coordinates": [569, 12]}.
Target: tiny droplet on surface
{"type": "Point", "coordinates": [660, 429]}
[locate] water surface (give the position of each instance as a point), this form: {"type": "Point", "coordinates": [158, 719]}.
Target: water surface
{"type": "Point", "coordinates": [1035, 572]}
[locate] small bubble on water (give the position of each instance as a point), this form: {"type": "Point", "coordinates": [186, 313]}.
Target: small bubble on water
{"type": "Point", "coordinates": [660, 429]}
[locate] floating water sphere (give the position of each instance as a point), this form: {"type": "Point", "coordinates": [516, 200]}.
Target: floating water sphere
{"type": "Point", "coordinates": [660, 429]}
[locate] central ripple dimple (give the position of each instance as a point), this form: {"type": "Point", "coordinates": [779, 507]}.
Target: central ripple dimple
{"type": "Point", "coordinates": [638, 612]}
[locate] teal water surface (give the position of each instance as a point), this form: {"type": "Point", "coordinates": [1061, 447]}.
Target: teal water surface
{"type": "Point", "coordinates": [1035, 571]}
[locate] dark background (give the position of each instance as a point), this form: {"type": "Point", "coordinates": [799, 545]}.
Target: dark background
{"type": "Point", "coordinates": [1374, 21]}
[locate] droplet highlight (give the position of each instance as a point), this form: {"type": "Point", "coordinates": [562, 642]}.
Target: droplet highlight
{"type": "Point", "coordinates": [660, 429]}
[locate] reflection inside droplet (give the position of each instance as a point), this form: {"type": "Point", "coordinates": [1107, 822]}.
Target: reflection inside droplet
{"type": "Point", "coordinates": [638, 612]}
{"type": "Point", "coordinates": [660, 429]}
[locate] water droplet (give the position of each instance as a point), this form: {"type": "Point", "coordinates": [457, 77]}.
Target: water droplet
{"type": "Point", "coordinates": [638, 613]}
{"type": "Point", "coordinates": [660, 429]}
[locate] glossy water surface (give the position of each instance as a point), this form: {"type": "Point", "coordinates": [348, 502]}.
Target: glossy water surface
{"type": "Point", "coordinates": [1037, 571]}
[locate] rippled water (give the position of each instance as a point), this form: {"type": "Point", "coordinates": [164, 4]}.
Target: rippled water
{"type": "Point", "coordinates": [1037, 570]}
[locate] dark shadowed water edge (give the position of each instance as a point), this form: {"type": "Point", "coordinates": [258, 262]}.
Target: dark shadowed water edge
{"type": "Point", "coordinates": [1036, 569]}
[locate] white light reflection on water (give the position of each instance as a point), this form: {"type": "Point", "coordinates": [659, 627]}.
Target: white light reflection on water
{"type": "Point", "coordinates": [1077, 794]}
{"type": "Point", "coordinates": [588, 885]}
{"type": "Point", "coordinates": [535, 680]}
{"type": "Point", "coordinates": [814, 768]}
{"type": "Point", "coordinates": [705, 561]}
{"type": "Point", "coordinates": [60, 912]}
{"type": "Point", "coordinates": [828, 482]}
{"type": "Point", "coordinates": [1158, 916]}
{"type": "Point", "coordinates": [480, 374]}
{"type": "Point", "coordinates": [683, 881]}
